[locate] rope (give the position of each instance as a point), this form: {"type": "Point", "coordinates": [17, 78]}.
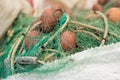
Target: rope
{"type": "Point", "coordinates": [87, 32]}
{"type": "Point", "coordinates": [92, 27]}
{"type": "Point", "coordinates": [13, 51]}
{"type": "Point", "coordinates": [106, 27]}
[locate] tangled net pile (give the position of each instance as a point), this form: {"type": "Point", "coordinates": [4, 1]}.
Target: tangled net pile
{"type": "Point", "coordinates": [15, 58]}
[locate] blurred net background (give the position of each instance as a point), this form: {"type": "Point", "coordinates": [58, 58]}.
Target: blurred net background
{"type": "Point", "coordinates": [53, 48]}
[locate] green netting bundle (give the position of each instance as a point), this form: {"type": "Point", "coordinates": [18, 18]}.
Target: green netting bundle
{"type": "Point", "coordinates": [16, 58]}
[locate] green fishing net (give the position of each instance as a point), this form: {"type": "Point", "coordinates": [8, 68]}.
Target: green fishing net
{"type": "Point", "coordinates": [24, 60]}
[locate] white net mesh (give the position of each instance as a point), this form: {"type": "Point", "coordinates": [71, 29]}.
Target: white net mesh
{"type": "Point", "coordinates": [102, 63]}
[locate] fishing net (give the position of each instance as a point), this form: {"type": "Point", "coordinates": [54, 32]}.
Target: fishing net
{"type": "Point", "coordinates": [16, 58]}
